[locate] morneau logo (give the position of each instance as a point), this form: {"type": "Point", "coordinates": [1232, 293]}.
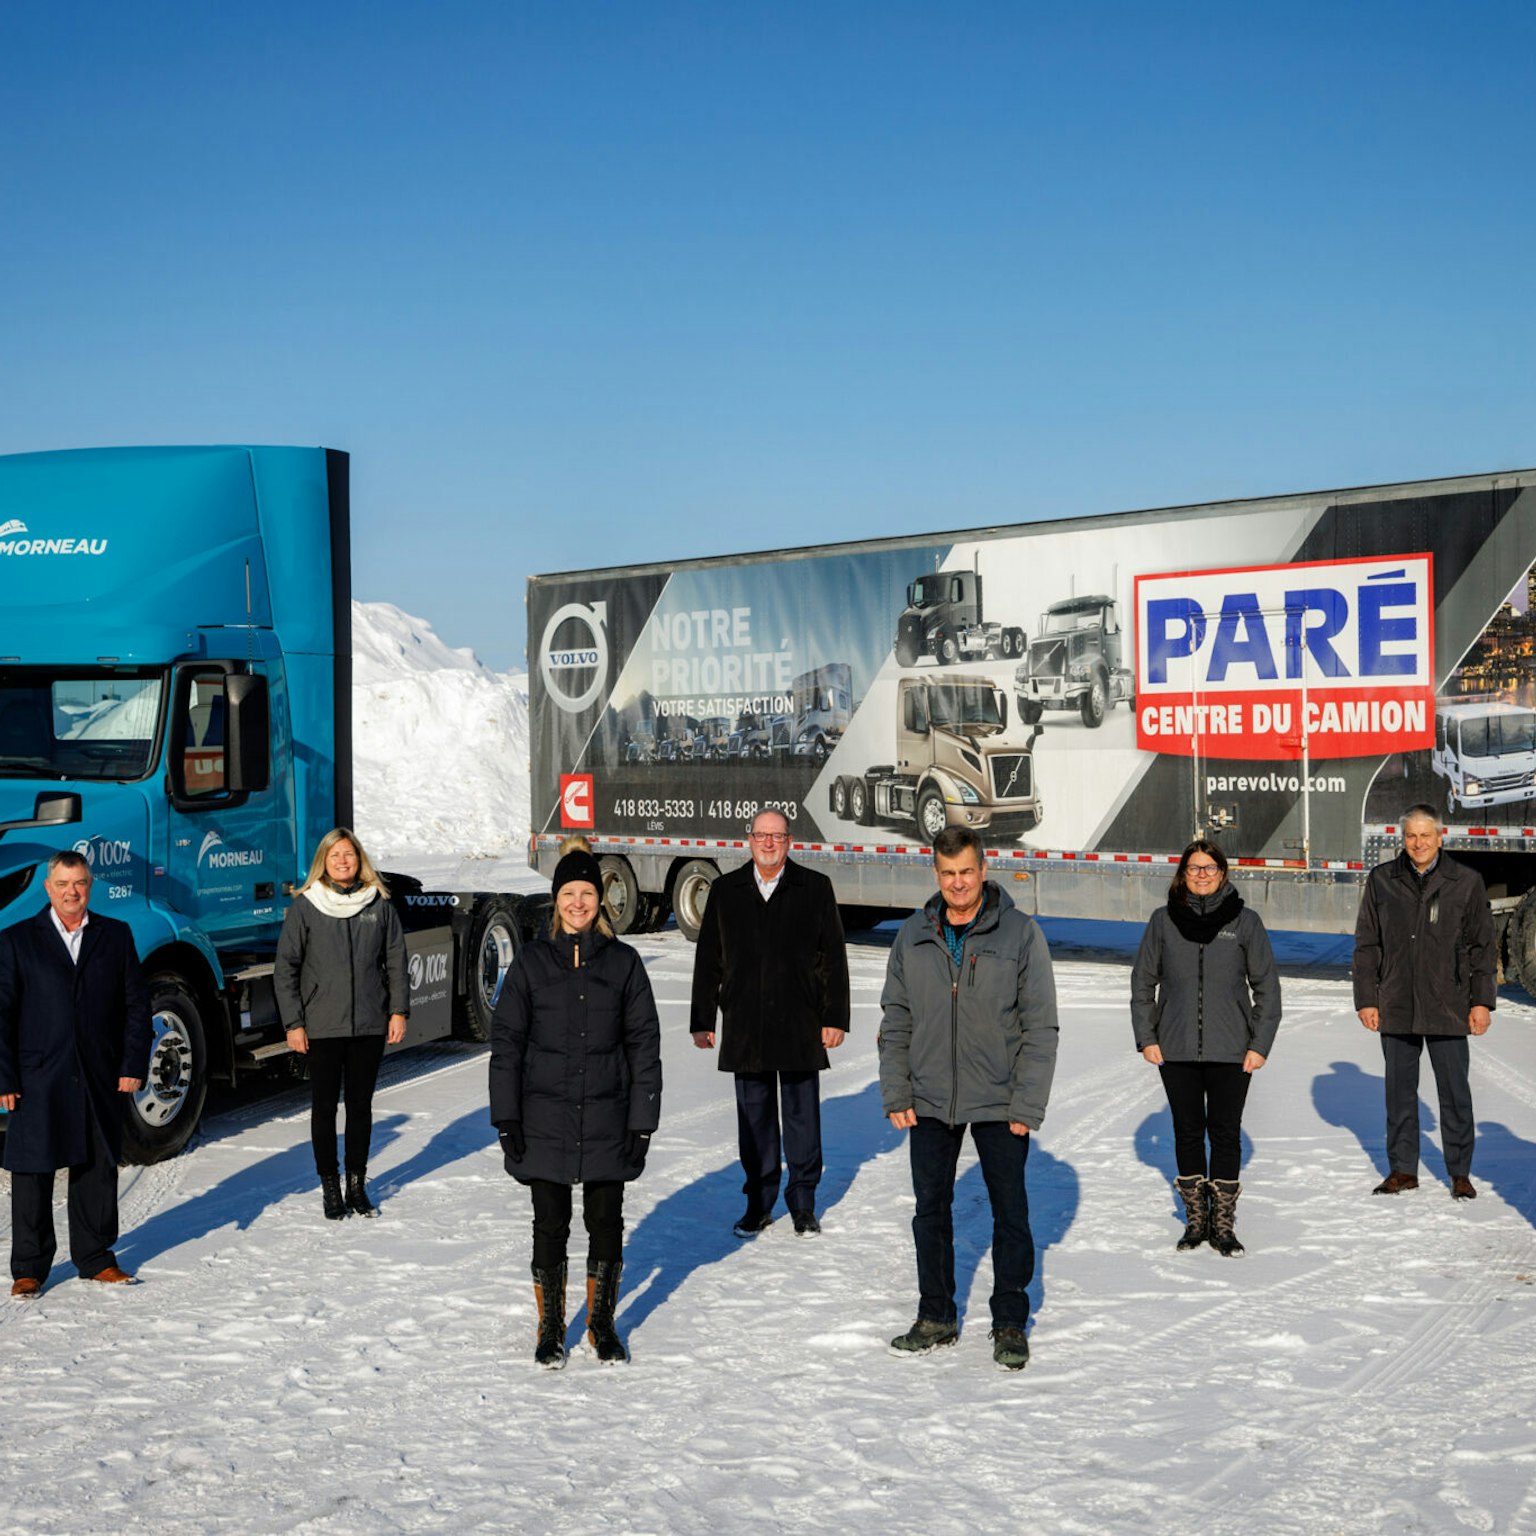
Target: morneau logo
{"type": "Point", "coordinates": [566, 667]}
{"type": "Point", "coordinates": [576, 805]}
{"type": "Point", "coordinates": [11, 545]}
{"type": "Point", "coordinates": [220, 857]}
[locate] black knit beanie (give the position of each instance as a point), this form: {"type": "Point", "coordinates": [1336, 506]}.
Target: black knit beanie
{"type": "Point", "coordinates": [578, 864]}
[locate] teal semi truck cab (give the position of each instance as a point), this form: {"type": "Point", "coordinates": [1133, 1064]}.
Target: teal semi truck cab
{"type": "Point", "coordinates": [175, 705]}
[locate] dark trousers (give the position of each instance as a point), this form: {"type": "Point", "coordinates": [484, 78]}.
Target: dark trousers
{"type": "Point", "coordinates": [352, 1061]}
{"type": "Point", "coordinates": [1207, 1099]}
{"type": "Point", "coordinates": [602, 1211]}
{"type": "Point", "coordinates": [935, 1149]}
{"type": "Point", "coordinates": [92, 1214]}
{"type": "Point", "coordinates": [760, 1135]}
{"type": "Point", "coordinates": [1450, 1056]}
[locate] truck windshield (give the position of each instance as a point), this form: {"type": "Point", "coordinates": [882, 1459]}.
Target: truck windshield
{"type": "Point", "coordinates": [1066, 623]}
{"type": "Point", "coordinates": [963, 706]}
{"type": "Point", "coordinates": [1499, 735]}
{"type": "Point", "coordinates": [85, 724]}
{"type": "Point", "coordinates": [925, 592]}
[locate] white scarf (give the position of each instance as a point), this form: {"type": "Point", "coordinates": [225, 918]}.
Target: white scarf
{"type": "Point", "coordinates": [336, 903]}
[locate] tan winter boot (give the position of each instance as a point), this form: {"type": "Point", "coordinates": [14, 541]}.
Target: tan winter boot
{"type": "Point", "coordinates": [549, 1293]}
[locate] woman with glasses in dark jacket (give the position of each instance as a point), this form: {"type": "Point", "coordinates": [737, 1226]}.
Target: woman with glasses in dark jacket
{"type": "Point", "coordinates": [1205, 1005]}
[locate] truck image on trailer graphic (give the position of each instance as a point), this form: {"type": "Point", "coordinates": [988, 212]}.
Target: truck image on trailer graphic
{"type": "Point", "coordinates": [953, 766]}
{"type": "Point", "coordinates": [1076, 661]}
{"type": "Point", "coordinates": [943, 619]}
{"type": "Point", "coordinates": [1485, 752]}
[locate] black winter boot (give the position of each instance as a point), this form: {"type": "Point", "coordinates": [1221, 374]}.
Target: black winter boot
{"type": "Point", "coordinates": [357, 1194]}
{"type": "Point", "coordinates": [602, 1298]}
{"type": "Point", "coordinates": [330, 1193]}
{"type": "Point", "coordinates": [549, 1293]}
{"type": "Point", "coordinates": [1195, 1193]}
{"type": "Point", "coordinates": [1224, 1193]}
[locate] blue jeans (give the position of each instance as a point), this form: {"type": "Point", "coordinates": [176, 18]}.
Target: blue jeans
{"type": "Point", "coordinates": [935, 1150]}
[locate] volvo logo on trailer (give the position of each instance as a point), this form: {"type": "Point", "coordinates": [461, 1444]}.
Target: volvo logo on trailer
{"type": "Point", "coordinates": [1244, 663]}
{"type": "Point", "coordinates": [573, 659]}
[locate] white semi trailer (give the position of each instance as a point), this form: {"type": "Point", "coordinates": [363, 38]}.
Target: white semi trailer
{"type": "Point", "coordinates": [1285, 661]}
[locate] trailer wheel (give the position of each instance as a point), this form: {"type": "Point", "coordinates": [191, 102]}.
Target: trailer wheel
{"type": "Point", "coordinates": [690, 895]}
{"type": "Point", "coordinates": [494, 938]}
{"type": "Point", "coordinates": [621, 895]}
{"type": "Point", "coordinates": [946, 646]}
{"type": "Point", "coordinates": [858, 802]}
{"type": "Point", "coordinates": [1094, 702]}
{"type": "Point", "coordinates": [932, 817]}
{"type": "Point", "coordinates": [163, 1114]}
{"type": "Point", "coordinates": [656, 914]}
{"type": "Point", "coordinates": [1030, 711]}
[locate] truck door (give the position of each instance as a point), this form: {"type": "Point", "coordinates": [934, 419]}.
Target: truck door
{"type": "Point", "coordinates": [222, 863]}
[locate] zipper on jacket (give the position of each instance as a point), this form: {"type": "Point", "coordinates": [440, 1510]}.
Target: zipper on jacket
{"type": "Point", "coordinates": [954, 1047]}
{"type": "Point", "coordinates": [1200, 1008]}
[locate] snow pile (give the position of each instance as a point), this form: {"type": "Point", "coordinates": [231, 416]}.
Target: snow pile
{"type": "Point", "coordinates": [440, 748]}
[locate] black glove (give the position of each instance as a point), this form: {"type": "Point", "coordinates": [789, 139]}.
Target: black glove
{"type": "Point", "coordinates": [512, 1142]}
{"type": "Point", "coordinates": [636, 1145]}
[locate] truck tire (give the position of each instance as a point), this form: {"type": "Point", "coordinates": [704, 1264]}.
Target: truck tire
{"type": "Point", "coordinates": [1030, 711]}
{"type": "Point", "coordinates": [1094, 703]}
{"type": "Point", "coordinates": [690, 895]}
{"type": "Point", "coordinates": [1013, 642]}
{"type": "Point", "coordinates": [906, 651]}
{"type": "Point", "coordinates": [932, 815]}
{"type": "Point", "coordinates": [621, 895]}
{"type": "Point", "coordinates": [656, 913]}
{"type": "Point", "coordinates": [494, 938]}
{"type": "Point", "coordinates": [837, 798]}
{"type": "Point", "coordinates": [1451, 808]}
{"type": "Point", "coordinates": [858, 803]}
{"type": "Point", "coordinates": [162, 1115]}
{"type": "Point", "coordinates": [946, 646]}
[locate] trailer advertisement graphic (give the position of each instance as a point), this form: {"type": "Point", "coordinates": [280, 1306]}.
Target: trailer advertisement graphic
{"type": "Point", "coordinates": [1257, 663]}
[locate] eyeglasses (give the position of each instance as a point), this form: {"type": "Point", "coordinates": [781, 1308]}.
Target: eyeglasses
{"type": "Point", "coordinates": [1202, 869]}
{"type": "Point", "coordinates": [769, 837]}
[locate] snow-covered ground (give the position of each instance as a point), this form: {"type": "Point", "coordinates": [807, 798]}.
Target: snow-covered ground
{"type": "Point", "coordinates": [1369, 1366]}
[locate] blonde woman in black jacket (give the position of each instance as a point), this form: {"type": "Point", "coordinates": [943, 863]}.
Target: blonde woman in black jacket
{"type": "Point", "coordinates": [342, 993]}
{"type": "Point", "coordinates": [1205, 1005]}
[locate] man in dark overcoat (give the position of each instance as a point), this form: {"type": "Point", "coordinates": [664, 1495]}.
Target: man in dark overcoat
{"type": "Point", "coordinates": [772, 961]}
{"type": "Point", "coordinates": [74, 1038]}
{"type": "Point", "coordinates": [1425, 977]}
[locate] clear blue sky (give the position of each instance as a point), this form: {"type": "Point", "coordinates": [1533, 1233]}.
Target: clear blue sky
{"type": "Point", "coordinates": [603, 283]}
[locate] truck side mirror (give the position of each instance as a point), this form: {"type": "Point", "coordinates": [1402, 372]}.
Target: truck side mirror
{"type": "Point", "coordinates": [249, 733]}
{"type": "Point", "coordinates": [1002, 708]}
{"type": "Point", "coordinates": [56, 810]}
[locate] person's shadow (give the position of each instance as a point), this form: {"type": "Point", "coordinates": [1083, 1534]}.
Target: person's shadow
{"type": "Point", "coordinates": [238, 1200]}
{"type": "Point", "coordinates": [1506, 1163]}
{"type": "Point", "coordinates": [1053, 1199]}
{"type": "Point", "coordinates": [1356, 1101]}
{"type": "Point", "coordinates": [691, 1228]}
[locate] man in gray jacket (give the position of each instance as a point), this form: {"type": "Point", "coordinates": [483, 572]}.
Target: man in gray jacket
{"type": "Point", "coordinates": [1425, 975]}
{"type": "Point", "coordinates": [968, 1038]}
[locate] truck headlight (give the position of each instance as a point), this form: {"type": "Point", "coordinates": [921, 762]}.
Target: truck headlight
{"type": "Point", "coordinates": [968, 796]}
{"type": "Point", "coordinates": [1081, 670]}
{"type": "Point", "coordinates": [1473, 787]}
{"type": "Point", "coordinates": [1021, 676]}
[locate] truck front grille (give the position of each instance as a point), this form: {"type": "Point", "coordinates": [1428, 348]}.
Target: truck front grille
{"type": "Point", "coordinates": [1011, 776]}
{"type": "Point", "coordinates": [1047, 658]}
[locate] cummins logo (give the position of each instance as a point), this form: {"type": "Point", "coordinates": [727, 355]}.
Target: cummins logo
{"type": "Point", "coordinates": [219, 857]}
{"type": "Point", "coordinates": [574, 672]}
{"type": "Point", "coordinates": [10, 545]}
{"type": "Point", "coordinates": [104, 853]}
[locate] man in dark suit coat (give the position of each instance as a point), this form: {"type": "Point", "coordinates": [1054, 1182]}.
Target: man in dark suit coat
{"type": "Point", "coordinates": [771, 959]}
{"type": "Point", "coordinates": [74, 1037]}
